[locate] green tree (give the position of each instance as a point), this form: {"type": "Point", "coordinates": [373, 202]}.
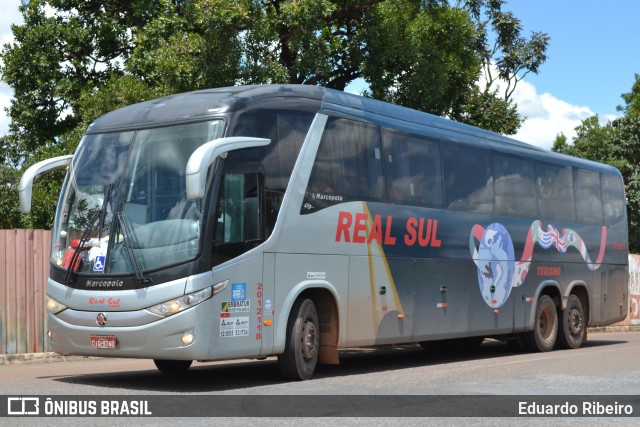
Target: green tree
{"type": "Point", "coordinates": [616, 143]}
{"type": "Point", "coordinates": [507, 56]}
{"type": "Point", "coordinates": [421, 57]}
{"type": "Point", "coordinates": [560, 144]}
{"type": "Point", "coordinates": [593, 141]}
{"type": "Point", "coordinates": [65, 50]}
{"type": "Point", "coordinates": [632, 99]}
{"type": "Point", "coordinates": [58, 55]}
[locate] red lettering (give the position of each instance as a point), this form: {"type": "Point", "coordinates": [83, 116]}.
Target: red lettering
{"type": "Point", "coordinates": [619, 246]}
{"type": "Point", "coordinates": [424, 235]}
{"type": "Point", "coordinates": [435, 242]}
{"type": "Point", "coordinates": [344, 223]}
{"type": "Point", "coordinates": [549, 271]}
{"type": "Point", "coordinates": [388, 238]}
{"type": "Point", "coordinates": [410, 237]}
{"type": "Point", "coordinates": [360, 228]}
{"type": "Point", "coordinates": [376, 230]}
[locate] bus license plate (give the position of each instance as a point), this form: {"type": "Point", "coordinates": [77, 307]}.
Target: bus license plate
{"type": "Point", "coordinates": [104, 342]}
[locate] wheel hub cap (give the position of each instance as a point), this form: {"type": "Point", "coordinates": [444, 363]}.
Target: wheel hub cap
{"type": "Point", "coordinates": [309, 340]}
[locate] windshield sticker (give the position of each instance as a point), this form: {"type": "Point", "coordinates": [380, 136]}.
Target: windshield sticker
{"type": "Point", "coordinates": [98, 263]}
{"type": "Point", "coordinates": [234, 327]}
{"type": "Point", "coordinates": [499, 272]}
{"type": "Point", "coordinates": [238, 291]}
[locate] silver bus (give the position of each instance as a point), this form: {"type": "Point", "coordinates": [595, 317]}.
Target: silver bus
{"type": "Point", "coordinates": [292, 221]}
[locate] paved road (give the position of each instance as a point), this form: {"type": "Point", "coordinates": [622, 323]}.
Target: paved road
{"type": "Point", "coordinates": [608, 364]}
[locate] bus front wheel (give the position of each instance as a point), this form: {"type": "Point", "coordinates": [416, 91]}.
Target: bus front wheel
{"type": "Point", "coordinates": [545, 328]}
{"type": "Point", "coordinates": [572, 324]}
{"type": "Point", "coordinates": [172, 367]}
{"type": "Point", "coordinates": [298, 362]}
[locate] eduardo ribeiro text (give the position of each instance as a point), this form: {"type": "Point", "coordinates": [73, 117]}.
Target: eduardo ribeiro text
{"type": "Point", "coordinates": [566, 408]}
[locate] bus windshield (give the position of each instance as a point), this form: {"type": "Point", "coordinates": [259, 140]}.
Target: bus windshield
{"type": "Point", "coordinates": [123, 208]}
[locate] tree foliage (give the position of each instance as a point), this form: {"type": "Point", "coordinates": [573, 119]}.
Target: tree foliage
{"type": "Point", "coordinates": [504, 47]}
{"type": "Point", "coordinates": [73, 60]}
{"type": "Point", "coordinates": [507, 56]}
{"type": "Point", "coordinates": [616, 143]}
{"type": "Point", "coordinates": [421, 57]}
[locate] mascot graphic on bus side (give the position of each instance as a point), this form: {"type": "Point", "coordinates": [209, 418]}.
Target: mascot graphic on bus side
{"type": "Point", "coordinates": [498, 270]}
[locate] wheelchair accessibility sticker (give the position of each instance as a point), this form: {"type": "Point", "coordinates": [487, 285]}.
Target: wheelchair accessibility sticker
{"type": "Point", "coordinates": [98, 263]}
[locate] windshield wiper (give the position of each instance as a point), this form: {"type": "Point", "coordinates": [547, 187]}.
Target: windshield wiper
{"type": "Point", "coordinates": [122, 219]}
{"type": "Point", "coordinates": [70, 277]}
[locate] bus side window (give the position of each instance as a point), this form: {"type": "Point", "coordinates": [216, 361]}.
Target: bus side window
{"type": "Point", "coordinates": [468, 178]}
{"type": "Point", "coordinates": [613, 199]}
{"type": "Point", "coordinates": [286, 130]}
{"type": "Point", "coordinates": [413, 169]}
{"type": "Point", "coordinates": [515, 189]}
{"type": "Point", "coordinates": [555, 192]}
{"type": "Point", "coordinates": [588, 196]}
{"type": "Point", "coordinates": [348, 166]}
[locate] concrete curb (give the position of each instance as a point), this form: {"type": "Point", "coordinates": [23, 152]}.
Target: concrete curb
{"type": "Point", "coordinates": [23, 358]}
{"type": "Point", "coordinates": [615, 328]}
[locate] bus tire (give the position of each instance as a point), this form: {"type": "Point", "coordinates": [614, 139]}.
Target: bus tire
{"type": "Point", "coordinates": [300, 357]}
{"type": "Point", "coordinates": [172, 367]}
{"type": "Point", "coordinates": [545, 329]}
{"type": "Point", "coordinates": [571, 326]}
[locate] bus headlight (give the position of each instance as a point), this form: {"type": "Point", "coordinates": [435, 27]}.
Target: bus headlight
{"type": "Point", "coordinates": [54, 306]}
{"type": "Point", "coordinates": [177, 305]}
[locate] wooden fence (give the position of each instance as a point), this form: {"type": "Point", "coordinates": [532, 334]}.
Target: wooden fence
{"type": "Point", "coordinates": [24, 268]}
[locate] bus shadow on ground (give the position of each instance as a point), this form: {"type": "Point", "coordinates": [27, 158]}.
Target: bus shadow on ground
{"type": "Point", "coordinates": [207, 377]}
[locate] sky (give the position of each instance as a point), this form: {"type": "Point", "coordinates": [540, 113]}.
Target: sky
{"type": "Point", "coordinates": [593, 55]}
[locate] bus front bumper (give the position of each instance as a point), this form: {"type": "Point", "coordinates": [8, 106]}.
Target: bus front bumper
{"type": "Point", "coordinates": [182, 336]}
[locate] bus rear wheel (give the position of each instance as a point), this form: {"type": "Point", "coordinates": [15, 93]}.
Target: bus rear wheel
{"type": "Point", "coordinates": [172, 367]}
{"type": "Point", "coordinates": [300, 357]}
{"type": "Point", "coordinates": [572, 324]}
{"type": "Point", "coordinates": [545, 328]}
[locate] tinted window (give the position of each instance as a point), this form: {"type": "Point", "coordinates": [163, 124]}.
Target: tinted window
{"type": "Point", "coordinates": [287, 131]}
{"type": "Point", "coordinates": [413, 169]}
{"type": "Point", "coordinates": [348, 165]}
{"type": "Point", "coordinates": [555, 192]}
{"type": "Point", "coordinates": [613, 198]}
{"type": "Point", "coordinates": [515, 190]}
{"type": "Point", "coordinates": [587, 193]}
{"type": "Point", "coordinates": [468, 178]}
{"type": "Point", "coordinates": [237, 222]}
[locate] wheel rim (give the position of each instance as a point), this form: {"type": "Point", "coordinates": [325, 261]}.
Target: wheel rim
{"type": "Point", "coordinates": [574, 320]}
{"type": "Point", "coordinates": [545, 323]}
{"type": "Point", "coordinates": [309, 340]}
